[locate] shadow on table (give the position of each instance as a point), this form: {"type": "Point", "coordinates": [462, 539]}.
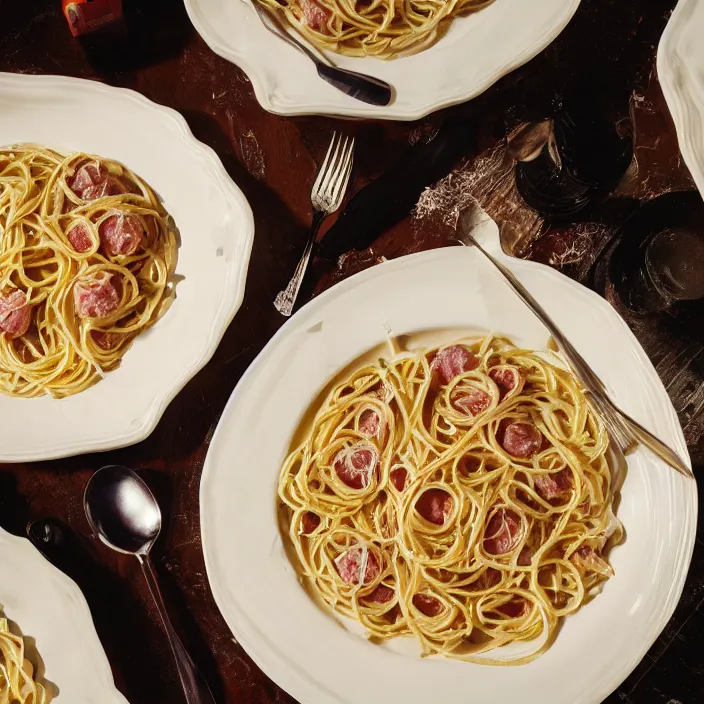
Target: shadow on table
{"type": "Point", "coordinates": [14, 508]}
{"type": "Point", "coordinates": [137, 647]}
{"type": "Point", "coordinates": [189, 421]}
{"type": "Point", "coordinates": [152, 32]}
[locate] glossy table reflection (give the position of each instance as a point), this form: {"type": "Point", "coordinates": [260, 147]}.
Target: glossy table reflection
{"type": "Point", "coordinates": [605, 58]}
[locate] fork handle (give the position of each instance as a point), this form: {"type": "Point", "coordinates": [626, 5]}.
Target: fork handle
{"type": "Point", "coordinates": [286, 299]}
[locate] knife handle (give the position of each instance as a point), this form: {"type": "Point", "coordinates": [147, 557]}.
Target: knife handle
{"type": "Point", "coordinates": [377, 207]}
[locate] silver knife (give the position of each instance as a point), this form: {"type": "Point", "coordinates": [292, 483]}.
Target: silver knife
{"type": "Point", "coordinates": [626, 432]}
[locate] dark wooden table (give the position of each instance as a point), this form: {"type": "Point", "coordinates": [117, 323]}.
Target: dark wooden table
{"type": "Point", "coordinates": [606, 57]}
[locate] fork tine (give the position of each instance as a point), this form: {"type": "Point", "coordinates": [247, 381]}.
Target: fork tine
{"type": "Point", "coordinates": [323, 169]}
{"type": "Point", "coordinates": [342, 178]}
{"type": "Point", "coordinates": [324, 166]}
{"type": "Point", "coordinates": [335, 165]}
{"type": "Point", "coordinates": [334, 168]}
{"type": "Point", "coordinates": [343, 187]}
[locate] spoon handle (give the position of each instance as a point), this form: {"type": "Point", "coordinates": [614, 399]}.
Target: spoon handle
{"type": "Point", "coordinates": [194, 685]}
{"type": "Point", "coordinates": [365, 88]}
{"type": "Point", "coordinates": [357, 85]}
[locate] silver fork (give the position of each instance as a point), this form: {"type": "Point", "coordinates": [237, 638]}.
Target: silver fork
{"type": "Point", "coordinates": [328, 191]}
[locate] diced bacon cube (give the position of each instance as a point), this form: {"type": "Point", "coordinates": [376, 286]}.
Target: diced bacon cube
{"type": "Point", "coordinates": [95, 296]}
{"type": "Point", "coordinates": [15, 314]}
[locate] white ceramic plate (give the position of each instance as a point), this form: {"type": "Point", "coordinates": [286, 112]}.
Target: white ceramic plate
{"type": "Point", "coordinates": [304, 649]}
{"type": "Point", "coordinates": [216, 228]}
{"type": "Point", "coordinates": [50, 609]}
{"type": "Point", "coordinates": [477, 51]}
{"type": "Point", "coordinates": [681, 72]}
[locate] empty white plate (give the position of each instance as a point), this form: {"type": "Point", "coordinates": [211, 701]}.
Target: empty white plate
{"type": "Point", "coordinates": [305, 650]}
{"type": "Point", "coordinates": [477, 50]}
{"type": "Point", "coordinates": [50, 610]}
{"type": "Point", "coordinates": [216, 228]}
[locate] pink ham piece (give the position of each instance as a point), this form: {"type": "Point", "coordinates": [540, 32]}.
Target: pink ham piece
{"type": "Point", "coordinates": [501, 534]}
{"type": "Point", "coordinates": [356, 464]}
{"type": "Point", "coordinates": [79, 237]}
{"type": "Point", "coordinates": [369, 423]}
{"type": "Point", "coordinates": [94, 295]}
{"type": "Point", "coordinates": [453, 361]}
{"type": "Point", "coordinates": [586, 559]}
{"type": "Point", "coordinates": [472, 401]}
{"type": "Point", "coordinates": [469, 464]}
{"type": "Point", "coordinates": [554, 485]}
{"type": "Point", "coordinates": [315, 15]}
{"type": "Point", "coordinates": [350, 564]}
{"type": "Point", "coordinates": [15, 314]}
{"type": "Point", "coordinates": [427, 605]}
{"type": "Point", "coordinates": [121, 234]}
{"type": "Point", "coordinates": [435, 505]}
{"type": "Point", "coordinates": [521, 439]}
{"type": "Point", "coordinates": [381, 595]}
{"type": "Point", "coordinates": [309, 522]}
{"type": "Point", "coordinates": [92, 181]}
{"type": "Point", "coordinates": [399, 478]}
{"type": "Point", "coordinates": [507, 378]}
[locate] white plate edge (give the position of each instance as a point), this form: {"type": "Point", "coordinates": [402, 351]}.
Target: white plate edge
{"type": "Point", "coordinates": [684, 112]}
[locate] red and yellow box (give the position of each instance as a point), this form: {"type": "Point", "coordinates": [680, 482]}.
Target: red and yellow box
{"type": "Point", "coordinates": [84, 16]}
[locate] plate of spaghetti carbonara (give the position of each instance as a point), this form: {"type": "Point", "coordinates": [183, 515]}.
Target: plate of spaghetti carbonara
{"type": "Point", "coordinates": [410, 496]}
{"type": "Point", "coordinates": [122, 261]}
{"type": "Point", "coordinates": [458, 494]}
{"type": "Point", "coordinates": [87, 257]}
{"type": "Point", "coordinates": [49, 650]}
{"type": "Point", "coordinates": [434, 53]}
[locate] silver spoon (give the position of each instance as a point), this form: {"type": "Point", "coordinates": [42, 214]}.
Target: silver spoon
{"type": "Point", "coordinates": [357, 85]}
{"type": "Point", "coordinates": [125, 515]}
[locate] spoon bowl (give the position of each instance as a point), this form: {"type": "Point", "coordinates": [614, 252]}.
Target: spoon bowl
{"type": "Point", "coordinates": [122, 510]}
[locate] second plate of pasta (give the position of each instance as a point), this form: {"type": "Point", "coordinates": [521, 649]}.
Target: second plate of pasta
{"type": "Point", "coordinates": [408, 486]}
{"type": "Point", "coordinates": [433, 54]}
{"type": "Point", "coordinates": [124, 259]}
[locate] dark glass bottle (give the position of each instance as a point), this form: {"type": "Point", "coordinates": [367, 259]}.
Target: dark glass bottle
{"type": "Point", "coordinates": [583, 158]}
{"type": "Point", "coordinates": [659, 260]}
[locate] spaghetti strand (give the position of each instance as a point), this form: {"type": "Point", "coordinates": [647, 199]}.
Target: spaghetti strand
{"type": "Point", "coordinates": [383, 29]}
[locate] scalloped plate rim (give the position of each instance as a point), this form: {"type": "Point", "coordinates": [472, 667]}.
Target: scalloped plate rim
{"type": "Point", "coordinates": [678, 90]}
